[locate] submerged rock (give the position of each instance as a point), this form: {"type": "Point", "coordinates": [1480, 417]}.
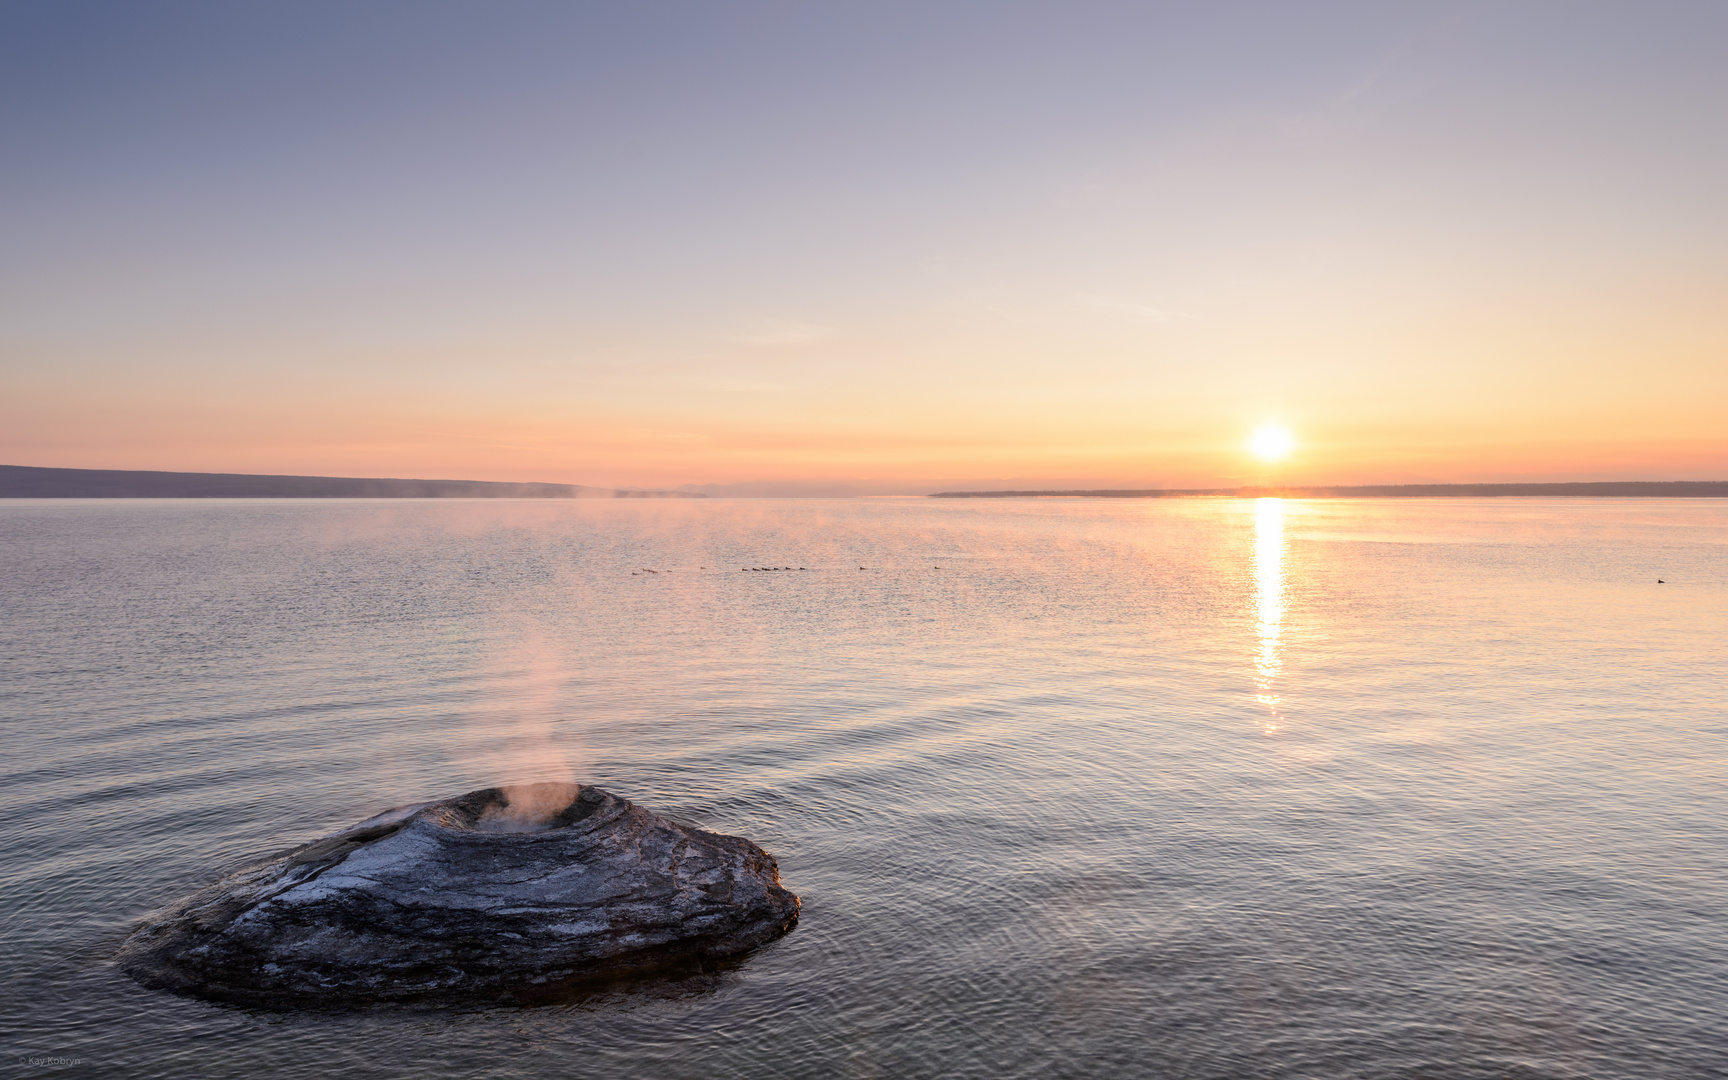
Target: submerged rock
{"type": "Point", "coordinates": [499, 893]}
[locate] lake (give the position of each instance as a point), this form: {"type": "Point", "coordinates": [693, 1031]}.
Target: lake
{"type": "Point", "coordinates": [1152, 788]}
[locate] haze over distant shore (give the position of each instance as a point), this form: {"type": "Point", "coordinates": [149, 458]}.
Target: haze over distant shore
{"type": "Point", "coordinates": [1642, 489]}
{"type": "Point", "coordinates": [30, 482]}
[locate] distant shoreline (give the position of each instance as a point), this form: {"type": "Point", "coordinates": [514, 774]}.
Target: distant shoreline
{"type": "Point", "coordinates": [36, 482]}
{"type": "Point", "coordinates": [31, 482]}
{"type": "Point", "coordinates": [1642, 489]}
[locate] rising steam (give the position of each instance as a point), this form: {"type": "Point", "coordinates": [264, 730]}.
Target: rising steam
{"type": "Point", "coordinates": [516, 742]}
{"type": "Point", "coordinates": [527, 807]}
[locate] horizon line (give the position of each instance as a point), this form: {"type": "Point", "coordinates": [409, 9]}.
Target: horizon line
{"type": "Point", "coordinates": [36, 481]}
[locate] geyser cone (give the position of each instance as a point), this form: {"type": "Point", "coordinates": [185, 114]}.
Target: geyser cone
{"type": "Point", "coordinates": [494, 893]}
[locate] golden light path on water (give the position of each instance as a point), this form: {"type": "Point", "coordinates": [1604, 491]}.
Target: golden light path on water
{"type": "Point", "coordinates": [1269, 602]}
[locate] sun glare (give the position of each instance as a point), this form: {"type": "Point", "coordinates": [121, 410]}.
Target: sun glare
{"type": "Point", "coordinates": [1271, 443]}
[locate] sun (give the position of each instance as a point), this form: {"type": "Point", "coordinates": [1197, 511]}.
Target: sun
{"type": "Point", "coordinates": [1271, 443]}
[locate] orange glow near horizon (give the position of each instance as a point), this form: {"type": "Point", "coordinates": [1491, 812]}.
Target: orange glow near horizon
{"type": "Point", "coordinates": [879, 455]}
{"type": "Point", "coordinates": [919, 422]}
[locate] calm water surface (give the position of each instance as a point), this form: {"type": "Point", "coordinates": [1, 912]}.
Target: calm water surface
{"type": "Point", "coordinates": [1181, 788]}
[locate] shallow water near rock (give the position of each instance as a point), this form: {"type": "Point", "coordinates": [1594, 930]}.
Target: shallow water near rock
{"type": "Point", "coordinates": [1180, 788]}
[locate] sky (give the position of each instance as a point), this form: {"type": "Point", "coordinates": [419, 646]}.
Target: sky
{"type": "Point", "coordinates": [828, 248]}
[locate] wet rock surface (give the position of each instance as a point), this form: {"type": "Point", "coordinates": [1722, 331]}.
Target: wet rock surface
{"type": "Point", "coordinates": [506, 893]}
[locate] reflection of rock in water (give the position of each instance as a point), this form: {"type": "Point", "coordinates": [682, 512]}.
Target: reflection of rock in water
{"type": "Point", "coordinates": [472, 896]}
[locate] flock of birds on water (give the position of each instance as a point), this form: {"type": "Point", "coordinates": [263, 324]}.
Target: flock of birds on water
{"type": "Point", "coordinates": [767, 569]}
{"type": "Point", "coordinates": [742, 569]}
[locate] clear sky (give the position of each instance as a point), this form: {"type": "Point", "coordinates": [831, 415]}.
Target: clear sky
{"type": "Point", "coordinates": [883, 246]}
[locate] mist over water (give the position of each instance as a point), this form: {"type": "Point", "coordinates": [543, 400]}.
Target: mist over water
{"type": "Point", "coordinates": [1173, 788]}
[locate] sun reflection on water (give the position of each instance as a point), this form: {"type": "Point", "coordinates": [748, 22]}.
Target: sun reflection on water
{"type": "Point", "coordinates": [1269, 602]}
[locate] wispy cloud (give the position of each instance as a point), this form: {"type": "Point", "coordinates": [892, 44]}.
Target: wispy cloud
{"type": "Point", "coordinates": [723, 385]}
{"type": "Point", "coordinates": [779, 334]}
{"type": "Point", "coordinates": [1151, 313]}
